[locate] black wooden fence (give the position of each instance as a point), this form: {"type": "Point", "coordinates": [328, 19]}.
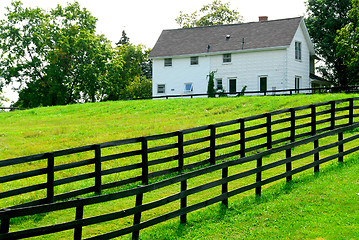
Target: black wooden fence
{"type": "Point", "coordinates": [317, 121]}
{"type": "Point", "coordinates": [347, 89]}
{"type": "Point", "coordinates": [175, 151]}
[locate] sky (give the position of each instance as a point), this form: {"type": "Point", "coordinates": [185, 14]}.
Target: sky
{"type": "Point", "coordinates": [144, 20]}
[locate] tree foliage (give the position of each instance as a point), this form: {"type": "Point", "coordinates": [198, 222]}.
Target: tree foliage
{"type": "Point", "coordinates": [55, 56]}
{"type": "Point", "coordinates": [124, 39]}
{"type": "Point", "coordinates": [348, 42]}
{"type": "Point", "coordinates": [2, 99]}
{"type": "Point", "coordinates": [133, 61]}
{"type": "Point", "coordinates": [210, 87]}
{"type": "Point", "coordinates": [58, 58]}
{"type": "Point", "coordinates": [214, 13]}
{"type": "Point", "coordinates": [139, 87]}
{"type": "Point", "coordinates": [325, 18]}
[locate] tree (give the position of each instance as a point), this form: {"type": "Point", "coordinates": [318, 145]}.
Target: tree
{"type": "Point", "coordinates": [139, 87]}
{"type": "Point", "coordinates": [2, 99]}
{"type": "Point", "coordinates": [55, 55]}
{"type": "Point", "coordinates": [124, 39]}
{"type": "Point", "coordinates": [212, 14]}
{"type": "Point", "coordinates": [210, 88]}
{"type": "Point", "coordinates": [133, 60]}
{"type": "Point", "coordinates": [348, 43]}
{"type": "Point", "coordinates": [325, 18]}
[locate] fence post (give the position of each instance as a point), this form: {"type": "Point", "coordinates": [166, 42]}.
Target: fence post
{"type": "Point", "coordinates": [292, 125]}
{"type": "Point", "coordinates": [340, 146]}
{"type": "Point", "coordinates": [98, 185]}
{"type": "Point", "coordinates": [180, 151]}
{"type": "Point", "coordinates": [5, 223]}
{"type": "Point", "coordinates": [313, 120]}
{"type": "Point", "coordinates": [183, 217]}
{"type": "Point", "coordinates": [50, 177]}
{"type": "Point", "coordinates": [79, 216]}
{"type": "Point", "coordinates": [212, 158]}
{"type": "Point", "coordinates": [259, 176]}
{"type": "Point", "coordinates": [137, 216]}
{"type": "Point", "coordinates": [269, 130]}
{"type": "Point", "coordinates": [316, 156]}
{"type": "Point", "coordinates": [288, 154]}
{"type": "Point", "coordinates": [144, 149]}
{"type": "Point", "coordinates": [243, 138]}
{"type": "Point", "coordinates": [313, 132]}
{"type": "Point", "coordinates": [351, 111]}
{"type": "Point", "coordinates": [225, 185]}
{"type": "Point", "coordinates": [332, 115]}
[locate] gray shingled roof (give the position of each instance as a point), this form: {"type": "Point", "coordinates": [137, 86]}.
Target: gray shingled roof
{"type": "Point", "coordinates": [256, 35]}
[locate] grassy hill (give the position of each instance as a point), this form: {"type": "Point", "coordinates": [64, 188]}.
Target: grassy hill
{"type": "Point", "coordinates": [323, 206]}
{"type": "Point", "coordinates": [53, 128]}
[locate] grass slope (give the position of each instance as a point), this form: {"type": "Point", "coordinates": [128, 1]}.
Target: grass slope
{"type": "Point", "coordinates": [53, 128]}
{"type": "Point", "coordinates": [322, 206]}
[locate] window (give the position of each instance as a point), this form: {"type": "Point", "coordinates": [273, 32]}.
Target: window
{"type": "Point", "coordinates": [297, 84]}
{"type": "Point", "coordinates": [168, 62]}
{"type": "Point", "coordinates": [263, 83]}
{"type": "Point", "coordinates": [298, 51]}
{"type": "Point", "coordinates": [161, 88]}
{"type": "Point", "coordinates": [219, 84]}
{"type": "Point", "coordinates": [194, 60]}
{"type": "Point", "coordinates": [227, 58]}
{"type": "Point", "coordinates": [188, 87]}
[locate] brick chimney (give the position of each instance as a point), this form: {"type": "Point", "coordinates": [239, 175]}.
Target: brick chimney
{"type": "Point", "coordinates": [263, 18]}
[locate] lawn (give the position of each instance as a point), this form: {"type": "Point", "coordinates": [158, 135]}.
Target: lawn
{"type": "Point", "coordinates": [47, 129]}
{"type": "Point", "coordinates": [322, 206]}
{"type": "Point", "coordinates": [53, 128]}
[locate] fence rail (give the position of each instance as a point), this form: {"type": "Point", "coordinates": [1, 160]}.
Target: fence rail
{"type": "Point", "coordinates": [179, 151]}
{"type": "Point", "coordinates": [348, 89]}
{"type": "Point", "coordinates": [79, 223]}
{"type": "Point", "coordinates": [220, 145]}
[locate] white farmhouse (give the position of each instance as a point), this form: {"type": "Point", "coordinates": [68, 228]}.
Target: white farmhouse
{"type": "Point", "coordinates": [263, 55]}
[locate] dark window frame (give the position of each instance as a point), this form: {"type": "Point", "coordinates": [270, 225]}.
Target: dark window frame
{"type": "Point", "coordinates": [298, 50]}
{"type": "Point", "coordinates": [194, 60]}
{"type": "Point", "coordinates": [161, 86]}
{"type": "Point", "coordinates": [227, 58]}
{"type": "Point", "coordinates": [219, 85]}
{"type": "Point", "coordinates": [168, 62]}
{"type": "Point", "coordinates": [297, 83]}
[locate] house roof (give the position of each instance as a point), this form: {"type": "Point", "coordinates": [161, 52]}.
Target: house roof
{"type": "Point", "coordinates": [225, 38]}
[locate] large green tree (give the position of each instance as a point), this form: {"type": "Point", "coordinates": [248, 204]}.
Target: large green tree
{"type": "Point", "coordinates": [325, 18]}
{"type": "Point", "coordinates": [55, 55]}
{"type": "Point", "coordinates": [348, 43]}
{"type": "Point", "coordinates": [135, 69]}
{"type": "Point", "coordinates": [214, 13]}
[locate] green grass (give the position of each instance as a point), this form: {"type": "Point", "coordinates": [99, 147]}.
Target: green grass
{"type": "Point", "coordinates": [322, 206]}
{"type": "Point", "coordinates": [54, 128]}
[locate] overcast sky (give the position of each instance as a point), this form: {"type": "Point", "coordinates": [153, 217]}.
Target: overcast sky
{"type": "Point", "coordinates": [143, 20]}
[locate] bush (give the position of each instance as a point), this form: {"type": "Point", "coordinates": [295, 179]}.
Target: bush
{"type": "Point", "coordinates": [210, 89]}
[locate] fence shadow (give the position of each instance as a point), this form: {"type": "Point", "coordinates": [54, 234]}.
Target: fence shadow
{"type": "Point", "coordinates": [236, 156]}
